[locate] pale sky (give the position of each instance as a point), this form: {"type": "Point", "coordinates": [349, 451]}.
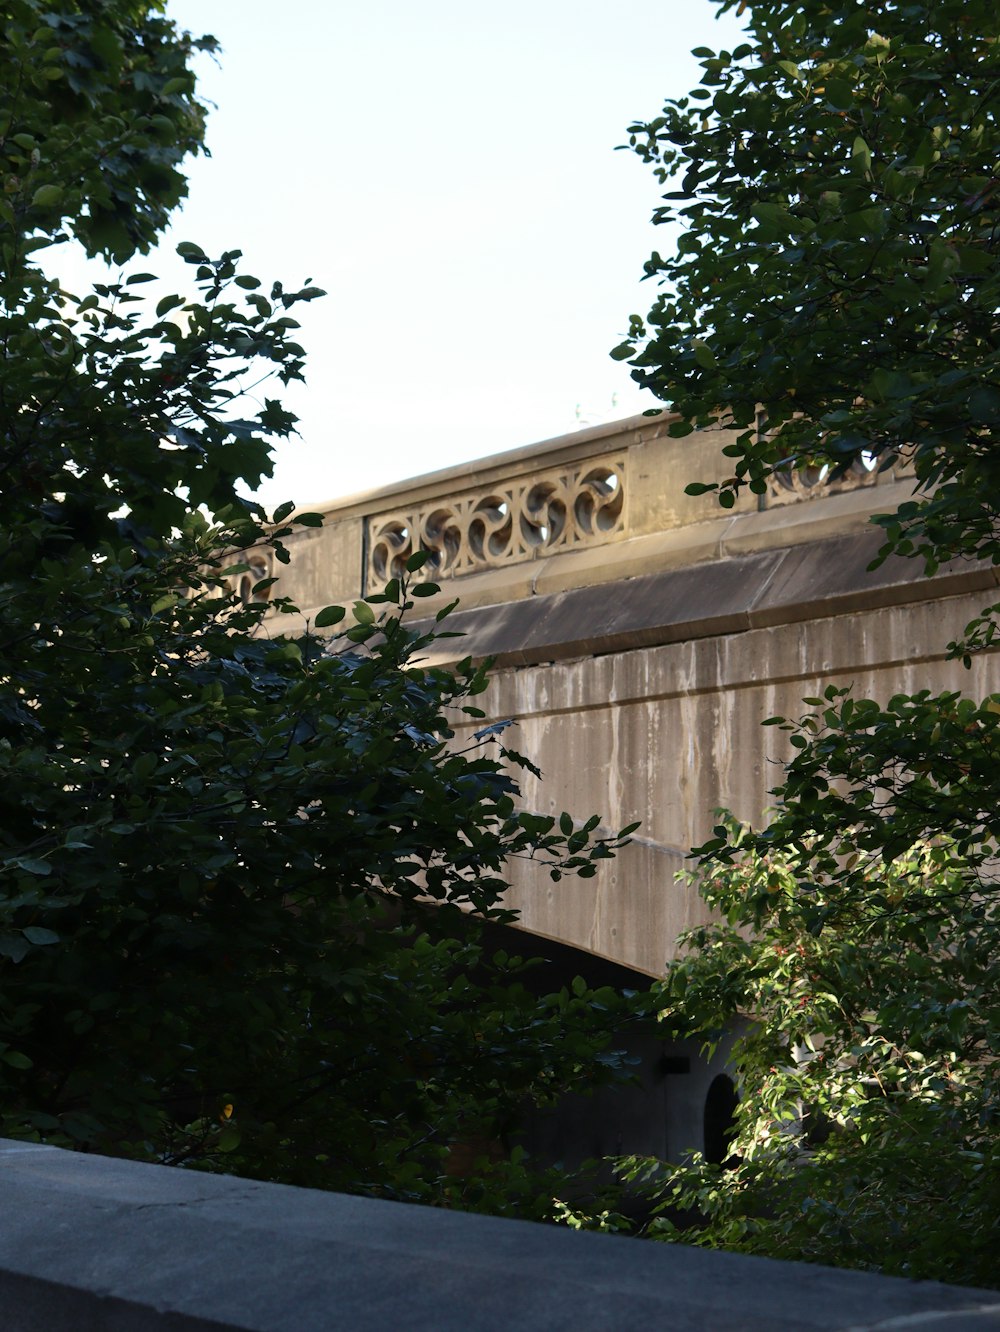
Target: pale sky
{"type": "Point", "coordinates": [446, 171]}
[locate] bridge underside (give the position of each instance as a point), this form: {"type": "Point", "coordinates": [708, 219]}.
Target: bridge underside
{"type": "Point", "coordinates": [663, 1110]}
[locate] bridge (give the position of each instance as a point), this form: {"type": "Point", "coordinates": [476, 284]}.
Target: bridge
{"type": "Point", "coordinates": [640, 636]}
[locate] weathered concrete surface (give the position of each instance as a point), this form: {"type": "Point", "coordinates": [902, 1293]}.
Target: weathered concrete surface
{"type": "Point", "coordinates": [650, 709]}
{"type": "Point", "coordinates": [708, 600]}
{"type": "Point", "coordinates": [639, 667]}
{"type": "Point", "coordinates": [666, 735]}
{"type": "Point", "coordinates": [89, 1244]}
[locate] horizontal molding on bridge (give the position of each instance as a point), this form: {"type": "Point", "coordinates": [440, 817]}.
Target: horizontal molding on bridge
{"type": "Point", "coordinates": [723, 596]}
{"type": "Point", "coordinates": [91, 1244]}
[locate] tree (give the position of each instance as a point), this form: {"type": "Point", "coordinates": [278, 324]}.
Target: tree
{"type": "Point", "coordinates": [834, 296]}
{"type": "Point", "coordinates": [866, 1131]}
{"type": "Point", "coordinates": [244, 875]}
{"type": "Point", "coordinates": [837, 271]}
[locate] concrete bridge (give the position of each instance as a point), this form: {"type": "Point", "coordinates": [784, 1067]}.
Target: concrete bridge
{"type": "Point", "coordinates": [641, 636]}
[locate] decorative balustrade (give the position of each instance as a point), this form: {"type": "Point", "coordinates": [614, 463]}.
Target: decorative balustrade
{"type": "Point", "coordinates": [259, 567]}
{"type": "Point", "coordinates": [491, 527]}
{"type": "Point", "coordinates": [532, 515]}
{"type": "Point", "coordinates": [512, 521]}
{"type": "Point", "coordinates": [790, 485]}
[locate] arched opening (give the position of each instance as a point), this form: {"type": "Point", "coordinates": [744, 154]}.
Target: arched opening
{"type": "Point", "coordinates": [718, 1120]}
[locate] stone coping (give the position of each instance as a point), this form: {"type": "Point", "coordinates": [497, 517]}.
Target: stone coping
{"type": "Point", "coordinates": [761, 589]}
{"type": "Point", "coordinates": [93, 1244]}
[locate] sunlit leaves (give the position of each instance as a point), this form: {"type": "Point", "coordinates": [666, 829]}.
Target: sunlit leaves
{"type": "Point", "coordinates": [836, 194]}
{"type": "Point", "coordinates": [840, 259]}
{"type": "Point", "coordinates": [861, 989]}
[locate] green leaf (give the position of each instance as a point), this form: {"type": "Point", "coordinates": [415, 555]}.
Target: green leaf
{"type": "Point", "coordinates": [839, 94]}
{"type": "Point", "coordinates": [47, 196]}
{"type": "Point", "coordinates": [329, 615]}
{"type": "Point", "coordinates": [16, 1059]}
{"type": "Point", "coordinates": [229, 1139]}
{"type": "Point", "coordinates": [984, 405]}
{"type": "Point", "coordinates": [31, 865]}
{"type": "Point", "coordinates": [14, 946]}
{"type": "Point", "coordinates": [37, 934]}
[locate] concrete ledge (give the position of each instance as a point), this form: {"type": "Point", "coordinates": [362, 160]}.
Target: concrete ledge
{"type": "Point", "coordinates": [89, 1244]}
{"type": "Point", "coordinates": [721, 596]}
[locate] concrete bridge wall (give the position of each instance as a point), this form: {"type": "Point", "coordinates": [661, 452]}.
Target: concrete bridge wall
{"type": "Point", "coordinates": [641, 636]}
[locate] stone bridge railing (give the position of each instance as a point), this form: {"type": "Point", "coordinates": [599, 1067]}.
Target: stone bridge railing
{"type": "Point", "coordinates": [604, 501]}
{"type": "Point", "coordinates": [640, 636]}
{"type": "Point", "coordinates": [517, 518]}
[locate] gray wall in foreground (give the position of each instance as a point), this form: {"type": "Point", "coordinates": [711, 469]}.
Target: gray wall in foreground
{"type": "Point", "coordinates": [90, 1244]}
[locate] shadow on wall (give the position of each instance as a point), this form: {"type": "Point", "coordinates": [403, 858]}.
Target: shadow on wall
{"type": "Point", "coordinates": [679, 1100]}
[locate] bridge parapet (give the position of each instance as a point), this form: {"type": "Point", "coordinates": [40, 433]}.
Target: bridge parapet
{"type": "Point", "coordinates": [587, 508]}
{"type": "Point", "coordinates": [640, 636]}
{"type": "Point", "coordinates": [518, 518]}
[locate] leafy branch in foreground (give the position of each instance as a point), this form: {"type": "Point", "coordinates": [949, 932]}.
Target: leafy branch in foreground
{"type": "Point", "coordinates": [244, 880]}
{"type": "Point", "coordinates": [835, 292]}
{"type": "Point", "coordinates": [221, 852]}
{"type": "Point", "coordinates": [834, 297]}
{"type": "Point", "coordinates": [865, 999]}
